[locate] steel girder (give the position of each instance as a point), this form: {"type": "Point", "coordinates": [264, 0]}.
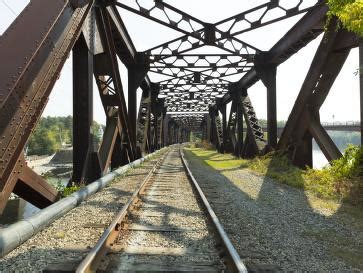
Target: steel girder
{"type": "Point", "coordinates": [304, 122]}
{"type": "Point", "coordinates": [171, 59]}
{"type": "Point", "coordinates": [33, 50]}
{"type": "Point", "coordinates": [310, 26]}
{"type": "Point", "coordinates": [117, 147]}
{"type": "Point", "coordinates": [254, 142]}
{"type": "Point", "coordinates": [83, 113]}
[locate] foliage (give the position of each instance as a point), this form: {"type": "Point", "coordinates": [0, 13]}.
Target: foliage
{"type": "Point", "coordinates": [350, 165]}
{"type": "Point", "coordinates": [195, 137]}
{"type": "Point", "coordinates": [342, 181]}
{"type": "Point", "coordinates": [69, 190]}
{"type": "Point", "coordinates": [52, 133]}
{"type": "Point", "coordinates": [341, 138]}
{"type": "Point", "coordinates": [64, 190]}
{"type": "Point", "coordinates": [349, 12]}
{"type": "Point", "coordinates": [203, 144]}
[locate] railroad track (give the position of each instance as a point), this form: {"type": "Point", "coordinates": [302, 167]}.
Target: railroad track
{"type": "Point", "coordinates": [167, 226]}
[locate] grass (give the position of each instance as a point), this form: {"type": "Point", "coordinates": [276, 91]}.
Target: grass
{"type": "Point", "coordinates": [342, 181]}
{"type": "Point", "coordinates": [65, 191]}
{"type": "Point", "coordinates": [335, 191]}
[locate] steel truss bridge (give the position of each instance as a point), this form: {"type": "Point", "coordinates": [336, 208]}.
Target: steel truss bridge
{"type": "Point", "coordinates": [195, 90]}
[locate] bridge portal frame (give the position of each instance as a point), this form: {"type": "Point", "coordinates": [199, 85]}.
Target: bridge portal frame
{"type": "Point", "coordinates": [98, 37]}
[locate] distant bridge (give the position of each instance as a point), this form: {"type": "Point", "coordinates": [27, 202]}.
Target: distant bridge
{"type": "Point", "coordinates": [349, 126]}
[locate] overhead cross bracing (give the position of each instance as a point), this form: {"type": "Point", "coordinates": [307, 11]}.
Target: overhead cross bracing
{"type": "Point", "coordinates": [194, 81]}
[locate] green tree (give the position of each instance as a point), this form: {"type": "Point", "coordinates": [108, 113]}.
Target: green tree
{"type": "Point", "coordinates": [349, 12]}
{"type": "Point", "coordinates": [42, 142]}
{"type": "Point", "coordinates": [52, 132]}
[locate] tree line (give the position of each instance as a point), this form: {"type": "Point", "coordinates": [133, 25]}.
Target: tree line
{"type": "Point", "coordinates": [54, 133]}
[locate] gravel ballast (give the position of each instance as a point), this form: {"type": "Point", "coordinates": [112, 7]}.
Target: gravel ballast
{"type": "Point", "coordinates": [168, 219]}
{"type": "Point", "coordinates": [273, 226]}
{"type": "Point", "coordinates": [69, 238]}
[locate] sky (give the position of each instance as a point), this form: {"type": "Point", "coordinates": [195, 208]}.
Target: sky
{"type": "Point", "coordinates": [342, 103]}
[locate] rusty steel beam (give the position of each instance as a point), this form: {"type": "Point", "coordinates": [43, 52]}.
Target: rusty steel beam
{"type": "Point", "coordinates": [125, 48]}
{"type": "Point", "coordinates": [314, 73]}
{"type": "Point", "coordinates": [267, 74]}
{"type": "Point", "coordinates": [82, 108]}
{"type": "Point", "coordinates": [135, 77]}
{"type": "Point", "coordinates": [303, 122]}
{"type": "Point", "coordinates": [31, 186]}
{"type": "Point", "coordinates": [33, 51]}
{"type": "Point", "coordinates": [326, 144]}
{"type": "Point", "coordinates": [108, 144]}
{"type": "Point", "coordinates": [224, 128]}
{"type": "Point", "coordinates": [303, 32]}
{"type": "Point", "coordinates": [114, 73]}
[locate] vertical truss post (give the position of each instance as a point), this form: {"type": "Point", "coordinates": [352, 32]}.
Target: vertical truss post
{"type": "Point", "coordinates": [304, 122]}
{"type": "Point", "coordinates": [177, 132]}
{"type": "Point", "coordinates": [166, 129]}
{"type": "Point", "coordinates": [82, 108]}
{"type": "Point", "coordinates": [155, 140]}
{"type": "Point", "coordinates": [155, 109]}
{"type": "Point", "coordinates": [208, 127]}
{"type": "Point", "coordinates": [267, 73]}
{"type": "Point", "coordinates": [162, 128]}
{"type": "Point", "coordinates": [239, 125]}
{"type": "Point", "coordinates": [171, 133]}
{"type": "Point", "coordinates": [214, 129]}
{"type": "Point", "coordinates": [147, 127]}
{"type": "Point", "coordinates": [114, 73]}
{"type": "Point", "coordinates": [212, 124]}
{"type": "Point", "coordinates": [224, 128]}
{"type": "Point", "coordinates": [136, 74]}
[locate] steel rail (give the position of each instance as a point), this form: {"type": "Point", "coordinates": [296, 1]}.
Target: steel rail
{"type": "Point", "coordinates": [234, 259]}
{"type": "Point", "coordinates": [89, 264]}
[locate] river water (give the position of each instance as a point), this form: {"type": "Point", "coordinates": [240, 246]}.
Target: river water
{"type": "Point", "coordinates": [341, 139]}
